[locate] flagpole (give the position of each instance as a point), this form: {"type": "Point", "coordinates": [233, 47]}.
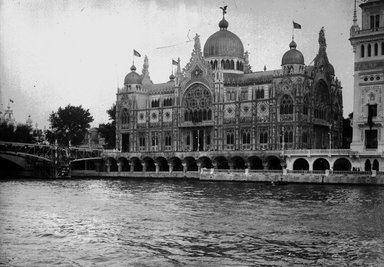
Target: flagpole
{"type": "Point", "coordinates": [293, 31]}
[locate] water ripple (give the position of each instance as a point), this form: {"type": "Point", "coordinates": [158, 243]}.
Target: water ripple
{"type": "Point", "coordinates": [179, 223]}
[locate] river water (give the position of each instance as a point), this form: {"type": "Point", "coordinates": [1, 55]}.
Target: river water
{"type": "Point", "coordinates": [188, 223]}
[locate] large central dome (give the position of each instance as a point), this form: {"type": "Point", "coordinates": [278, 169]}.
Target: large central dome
{"type": "Point", "coordinates": [223, 43]}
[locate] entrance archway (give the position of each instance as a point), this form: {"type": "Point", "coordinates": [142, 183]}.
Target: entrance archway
{"type": "Point", "coordinates": [342, 164]}
{"type": "Point", "coordinates": [320, 165]}
{"type": "Point", "coordinates": [301, 164]}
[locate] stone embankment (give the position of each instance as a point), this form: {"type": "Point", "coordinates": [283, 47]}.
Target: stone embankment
{"type": "Point", "coordinates": [268, 176]}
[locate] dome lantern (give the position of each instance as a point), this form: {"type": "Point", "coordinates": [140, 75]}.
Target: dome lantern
{"type": "Point", "coordinates": [292, 56]}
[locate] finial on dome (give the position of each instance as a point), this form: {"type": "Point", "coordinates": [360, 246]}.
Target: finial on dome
{"type": "Point", "coordinates": [293, 44]}
{"type": "Point", "coordinates": [223, 24]}
{"type": "Point", "coordinates": [133, 68]}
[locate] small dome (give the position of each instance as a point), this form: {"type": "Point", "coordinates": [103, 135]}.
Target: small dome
{"type": "Point", "coordinates": [172, 77]}
{"type": "Point", "coordinates": [292, 56]}
{"type": "Point", "coordinates": [133, 77]}
{"type": "Point", "coordinates": [223, 43]}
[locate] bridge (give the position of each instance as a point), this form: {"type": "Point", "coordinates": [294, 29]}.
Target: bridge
{"type": "Point", "coordinates": [38, 160]}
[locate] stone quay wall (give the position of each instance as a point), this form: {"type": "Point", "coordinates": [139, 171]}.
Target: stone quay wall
{"type": "Point", "coordinates": [272, 177]}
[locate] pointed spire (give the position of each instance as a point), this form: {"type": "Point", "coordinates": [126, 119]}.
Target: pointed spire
{"type": "Point", "coordinates": [145, 65]}
{"type": "Point", "coordinates": [354, 16]}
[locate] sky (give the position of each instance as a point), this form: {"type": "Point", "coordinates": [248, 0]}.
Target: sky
{"type": "Point", "coordinates": [54, 53]}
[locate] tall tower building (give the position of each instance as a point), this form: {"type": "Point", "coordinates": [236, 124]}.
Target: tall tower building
{"type": "Point", "coordinates": [368, 110]}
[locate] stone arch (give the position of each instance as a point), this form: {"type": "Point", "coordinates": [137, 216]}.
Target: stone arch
{"type": "Point", "coordinates": [191, 163]}
{"type": "Point", "coordinates": [137, 167]}
{"type": "Point", "coordinates": [124, 164]}
{"type": "Point", "coordinates": [274, 163]}
{"type": "Point", "coordinates": [255, 163]}
{"type": "Point", "coordinates": [301, 164]}
{"type": "Point", "coordinates": [342, 164]}
{"type": "Point", "coordinates": [232, 65]}
{"type": "Point", "coordinates": [320, 164]}
{"type": "Point", "coordinates": [367, 165]}
{"type": "Point", "coordinates": [221, 163]}
{"type": "Point", "coordinates": [113, 166]}
{"type": "Point", "coordinates": [149, 164]}
{"type": "Point", "coordinates": [375, 165]}
{"type": "Point", "coordinates": [238, 162]}
{"type": "Point", "coordinates": [205, 162]}
{"type": "Point", "coordinates": [163, 164]}
{"type": "Point", "coordinates": [177, 164]}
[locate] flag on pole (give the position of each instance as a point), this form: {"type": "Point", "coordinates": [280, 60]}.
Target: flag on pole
{"type": "Point", "coordinates": [296, 25]}
{"type": "Point", "coordinates": [135, 53]}
{"type": "Point", "coordinates": [10, 100]}
{"type": "Point", "coordinates": [174, 62]}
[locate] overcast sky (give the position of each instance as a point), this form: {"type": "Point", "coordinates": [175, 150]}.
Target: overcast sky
{"type": "Point", "coordinates": [54, 53]}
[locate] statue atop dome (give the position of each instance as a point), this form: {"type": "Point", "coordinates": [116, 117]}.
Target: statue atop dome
{"type": "Point", "coordinates": [224, 8]}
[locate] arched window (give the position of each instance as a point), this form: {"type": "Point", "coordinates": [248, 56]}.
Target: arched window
{"type": "Point", "coordinates": [188, 141]}
{"type": "Point", "coordinates": [125, 116]}
{"type": "Point", "coordinates": [232, 65]}
{"type": "Point", "coordinates": [227, 64]}
{"type": "Point", "coordinates": [209, 114]}
{"type": "Point", "coordinates": [369, 50]}
{"type": "Point", "coordinates": [286, 105]}
{"type": "Point", "coordinates": [263, 137]}
{"type": "Point", "coordinates": [208, 139]}
{"type": "Point", "coordinates": [362, 51]}
{"type": "Point", "coordinates": [186, 117]}
{"type": "Point", "coordinates": [382, 48]}
{"type": "Point", "coordinates": [204, 115]}
{"type": "Point", "coordinates": [376, 49]}
{"type": "Point", "coordinates": [305, 106]}
{"type": "Point", "coordinates": [222, 64]}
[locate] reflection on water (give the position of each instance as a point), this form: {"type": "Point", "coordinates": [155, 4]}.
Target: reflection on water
{"type": "Point", "coordinates": [188, 223]}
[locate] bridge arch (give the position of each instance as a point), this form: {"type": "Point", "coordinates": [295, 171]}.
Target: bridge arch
{"type": "Point", "coordinates": [342, 164]}
{"type": "Point", "coordinates": [320, 164]}
{"type": "Point", "coordinates": [301, 164]}
{"type": "Point", "coordinates": [255, 163]}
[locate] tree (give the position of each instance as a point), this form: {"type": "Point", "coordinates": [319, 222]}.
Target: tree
{"type": "Point", "coordinates": [108, 130]}
{"type": "Point", "coordinates": [22, 133]}
{"type": "Point", "coordinates": [69, 124]}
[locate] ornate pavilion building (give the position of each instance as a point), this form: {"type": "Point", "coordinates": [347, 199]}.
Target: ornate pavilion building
{"type": "Point", "coordinates": [217, 105]}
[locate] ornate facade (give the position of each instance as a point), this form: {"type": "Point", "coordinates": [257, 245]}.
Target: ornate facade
{"type": "Point", "coordinates": [368, 47]}
{"type": "Point", "coordinates": [217, 103]}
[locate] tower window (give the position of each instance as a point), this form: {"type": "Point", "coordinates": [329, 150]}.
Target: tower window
{"type": "Point", "coordinates": [369, 50]}
{"type": "Point", "coordinates": [376, 49]}
{"type": "Point", "coordinates": [377, 21]}
{"type": "Point", "coordinates": [382, 48]}
{"type": "Point", "coordinates": [362, 51]}
{"type": "Point", "coordinates": [372, 24]}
